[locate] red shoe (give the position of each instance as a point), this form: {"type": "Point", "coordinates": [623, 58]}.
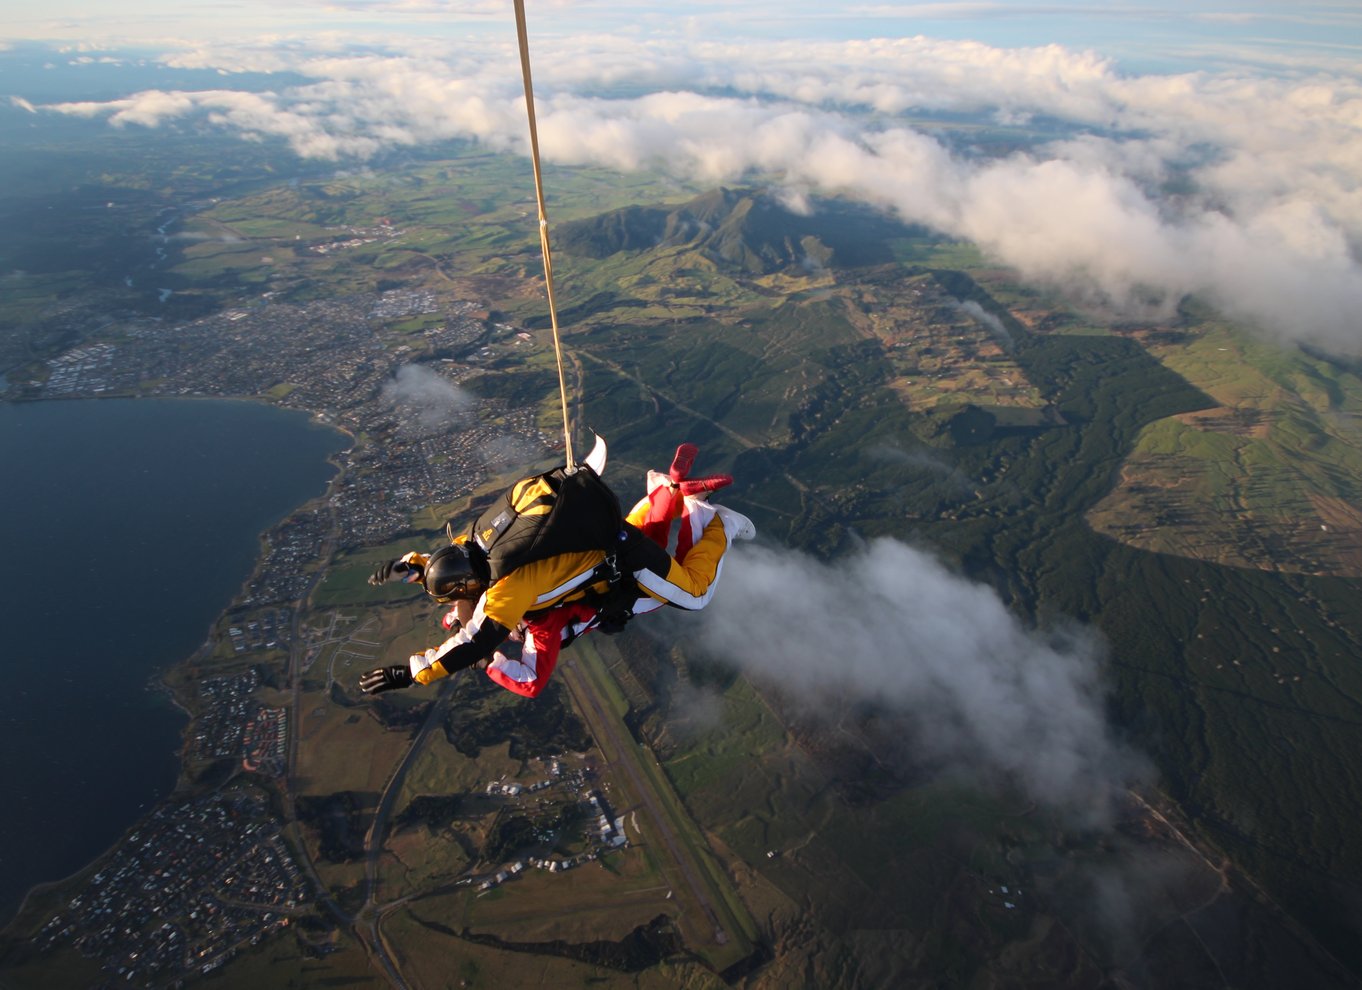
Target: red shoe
{"type": "Point", "coordinates": [705, 485]}
{"type": "Point", "coordinates": [681, 463]}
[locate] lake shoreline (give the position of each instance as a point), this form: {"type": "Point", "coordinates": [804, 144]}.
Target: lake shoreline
{"type": "Point", "coordinates": [159, 680]}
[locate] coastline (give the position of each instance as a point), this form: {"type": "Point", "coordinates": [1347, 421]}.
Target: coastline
{"type": "Point", "coordinates": [159, 680]}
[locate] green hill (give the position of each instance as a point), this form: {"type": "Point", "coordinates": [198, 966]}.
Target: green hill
{"type": "Point", "coordinates": [750, 231]}
{"type": "Point", "coordinates": [815, 390]}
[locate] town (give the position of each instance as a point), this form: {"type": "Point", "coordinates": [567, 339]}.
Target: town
{"type": "Point", "coordinates": [198, 879]}
{"type": "Point", "coordinates": [192, 885]}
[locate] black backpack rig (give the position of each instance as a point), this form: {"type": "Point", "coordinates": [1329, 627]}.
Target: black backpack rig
{"type": "Point", "coordinates": [560, 512]}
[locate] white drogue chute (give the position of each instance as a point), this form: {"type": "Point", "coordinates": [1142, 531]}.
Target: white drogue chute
{"type": "Point", "coordinates": [596, 459]}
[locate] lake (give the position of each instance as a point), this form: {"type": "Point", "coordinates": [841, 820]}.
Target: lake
{"type": "Point", "coordinates": [127, 526]}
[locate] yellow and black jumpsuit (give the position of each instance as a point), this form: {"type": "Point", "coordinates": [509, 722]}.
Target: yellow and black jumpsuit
{"type": "Point", "coordinates": [540, 585]}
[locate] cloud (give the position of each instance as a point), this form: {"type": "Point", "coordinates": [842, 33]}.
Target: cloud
{"type": "Point", "coordinates": [693, 711]}
{"type": "Point", "coordinates": [508, 452]}
{"type": "Point", "coordinates": [1245, 190]}
{"type": "Point", "coordinates": [891, 625]}
{"type": "Point", "coordinates": [985, 319]}
{"type": "Point", "coordinates": [22, 104]}
{"type": "Point", "coordinates": [264, 58]}
{"type": "Point", "coordinates": [426, 404]}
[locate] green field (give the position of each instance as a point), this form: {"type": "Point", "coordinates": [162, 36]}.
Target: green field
{"type": "Point", "coordinates": [1268, 479]}
{"type": "Point", "coordinates": [729, 913]}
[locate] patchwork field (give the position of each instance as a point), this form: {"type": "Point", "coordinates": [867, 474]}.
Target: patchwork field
{"type": "Point", "coordinates": [1269, 478]}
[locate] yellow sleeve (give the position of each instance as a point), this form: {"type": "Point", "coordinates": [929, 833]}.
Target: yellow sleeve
{"type": "Point", "coordinates": [426, 676]}
{"type": "Point", "coordinates": [638, 515]}
{"type": "Point", "coordinates": [690, 584]}
{"type": "Point", "coordinates": [538, 585]}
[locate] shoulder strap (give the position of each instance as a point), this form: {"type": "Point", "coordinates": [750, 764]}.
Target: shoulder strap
{"type": "Point", "coordinates": [546, 515]}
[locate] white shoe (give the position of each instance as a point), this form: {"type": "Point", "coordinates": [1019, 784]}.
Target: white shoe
{"type": "Point", "coordinates": [736, 525]}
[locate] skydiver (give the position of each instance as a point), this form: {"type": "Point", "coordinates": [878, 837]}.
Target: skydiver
{"type": "Point", "coordinates": [671, 499]}
{"type": "Point", "coordinates": [553, 558]}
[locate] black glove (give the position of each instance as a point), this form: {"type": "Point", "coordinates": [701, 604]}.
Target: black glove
{"type": "Point", "coordinates": [396, 570]}
{"type": "Point", "coordinates": [382, 679]}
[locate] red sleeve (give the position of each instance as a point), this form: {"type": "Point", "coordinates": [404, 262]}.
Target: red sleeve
{"type": "Point", "coordinates": [544, 637]}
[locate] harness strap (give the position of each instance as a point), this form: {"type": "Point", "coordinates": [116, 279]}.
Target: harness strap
{"type": "Point", "coordinates": [614, 605]}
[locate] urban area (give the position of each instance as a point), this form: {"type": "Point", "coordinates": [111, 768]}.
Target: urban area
{"type": "Point", "coordinates": [198, 880]}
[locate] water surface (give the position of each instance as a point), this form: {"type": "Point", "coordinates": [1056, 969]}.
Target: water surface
{"type": "Point", "coordinates": [127, 527]}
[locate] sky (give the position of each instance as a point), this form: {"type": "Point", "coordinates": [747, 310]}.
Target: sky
{"type": "Point", "coordinates": [1158, 32]}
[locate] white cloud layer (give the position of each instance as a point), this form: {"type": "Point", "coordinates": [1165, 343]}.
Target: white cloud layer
{"type": "Point", "coordinates": [890, 625]}
{"type": "Point", "coordinates": [1243, 189]}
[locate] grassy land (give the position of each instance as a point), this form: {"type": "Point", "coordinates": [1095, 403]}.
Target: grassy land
{"type": "Point", "coordinates": [65, 968]}
{"type": "Point", "coordinates": [602, 900]}
{"type": "Point", "coordinates": [607, 900]}
{"type": "Point", "coordinates": [1270, 478]}
{"type": "Point", "coordinates": [283, 962]}
{"type": "Point", "coordinates": [432, 954]}
{"type": "Point", "coordinates": [346, 581]}
{"type": "Point", "coordinates": [424, 858]}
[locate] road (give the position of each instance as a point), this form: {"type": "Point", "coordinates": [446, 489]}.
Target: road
{"type": "Point", "coordinates": [588, 701]}
{"type": "Point", "coordinates": [371, 914]}
{"type": "Point", "coordinates": [378, 830]}
{"type": "Point", "coordinates": [366, 929]}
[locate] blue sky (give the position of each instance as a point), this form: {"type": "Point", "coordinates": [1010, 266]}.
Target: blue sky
{"type": "Point", "coordinates": [1142, 35]}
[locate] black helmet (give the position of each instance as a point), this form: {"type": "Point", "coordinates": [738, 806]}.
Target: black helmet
{"type": "Point", "coordinates": [450, 575]}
